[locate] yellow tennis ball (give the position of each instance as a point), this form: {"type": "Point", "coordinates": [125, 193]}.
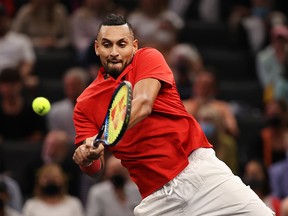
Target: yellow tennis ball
{"type": "Point", "coordinates": [41, 105]}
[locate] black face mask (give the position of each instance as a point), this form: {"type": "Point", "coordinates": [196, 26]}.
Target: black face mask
{"type": "Point", "coordinates": [274, 121]}
{"type": "Point", "coordinates": [182, 69]}
{"type": "Point", "coordinates": [118, 181]}
{"type": "Point", "coordinates": [255, 184]}
{"type": "Point", "coordinates": [51, 189]}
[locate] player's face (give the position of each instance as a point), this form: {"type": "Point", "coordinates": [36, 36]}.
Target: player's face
{"type": "Point", "coordinates": [115, 46]}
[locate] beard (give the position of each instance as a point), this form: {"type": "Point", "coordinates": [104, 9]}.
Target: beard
{"type": "Point", "coordinates": [113, 69]}
{"type": "Point", "coordinates": [114, 72]}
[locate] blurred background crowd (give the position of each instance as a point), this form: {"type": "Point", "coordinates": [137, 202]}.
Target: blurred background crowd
{"type": "Point", "coordinates": [230, 62]}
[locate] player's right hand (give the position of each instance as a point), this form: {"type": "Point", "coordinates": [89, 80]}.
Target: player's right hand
{"type": "Point", "coordinates": [86, 152]}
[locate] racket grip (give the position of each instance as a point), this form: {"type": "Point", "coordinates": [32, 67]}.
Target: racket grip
{"type": "Point", "coordinates": [97, 142]}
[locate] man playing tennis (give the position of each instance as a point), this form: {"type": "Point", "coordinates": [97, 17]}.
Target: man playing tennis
{"type": "Point", "coordinates": [164, 148]}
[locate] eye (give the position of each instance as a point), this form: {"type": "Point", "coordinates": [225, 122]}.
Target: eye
{"type": "Point", "coordinates": [122, 44]}
{"type": "Point", "coordinates": [106, 45]}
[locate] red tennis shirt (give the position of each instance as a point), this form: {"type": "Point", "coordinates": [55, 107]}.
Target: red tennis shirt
{"type": "Point", "coordinates": [156, 149]}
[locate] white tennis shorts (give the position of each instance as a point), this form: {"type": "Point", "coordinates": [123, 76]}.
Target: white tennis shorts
{"type": "Point", "coordinates": [206, 187]}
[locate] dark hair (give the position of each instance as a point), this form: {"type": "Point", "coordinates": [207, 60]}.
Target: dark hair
{"type": "Point", "coordinates": [10, 75]}
{"type": "Point", "coordinates": [115, 20]}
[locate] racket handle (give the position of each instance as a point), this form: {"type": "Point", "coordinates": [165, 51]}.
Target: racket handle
{"type": "Point", "coordinates": [97, 142]}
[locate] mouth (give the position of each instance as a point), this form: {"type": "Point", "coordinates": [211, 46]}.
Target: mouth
{"type": "Point", "coordinates": [114, 61]}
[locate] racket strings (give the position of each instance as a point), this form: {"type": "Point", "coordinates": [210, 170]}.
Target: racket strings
{"type": "Point", "coordinates": [117, 115]}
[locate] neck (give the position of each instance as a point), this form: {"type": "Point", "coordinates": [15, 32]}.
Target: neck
{"type": "Point", "coordinates": [52, 199]}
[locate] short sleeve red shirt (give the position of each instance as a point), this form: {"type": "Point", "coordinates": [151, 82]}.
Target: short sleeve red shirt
{"type": "Point", "coordinates": [156, 149]}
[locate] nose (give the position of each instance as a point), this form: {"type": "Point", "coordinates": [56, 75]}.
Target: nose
{"type": "Point", "coordinates": [114, 51]}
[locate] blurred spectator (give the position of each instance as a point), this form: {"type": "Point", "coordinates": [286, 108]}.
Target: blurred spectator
{"type": "Point", "coordinates": [204, 93]}
{"type": "Point", "coordinates": [85, 22]}
{"type": "Point", "coordinates": [179, 7]}
{"type": "Point", "coordinates": [280, 5]}
{"type": "Point", "coordinates": [18, 120]}
{"type": "Point", "coordinates": [117, 195]}
{"type": "Point", "coordinates": [56, 149]}
{"type": "Point", "coordinates": [278, 172]}
{"type": "Point", "coordinates": [71, 5]}
{"type": "Point", "coordinates": [61, 115]}
{"type": "Point", "coordinates": [273, 135]}
{"type": "Point", "coordinates": [45, 22]}
{"type": "Point", "coordinates": [270, 62]}
{"type": "Point", "coordinates": [92, 61]}
{"type": "Point", "coordinates": [281, 87]}
{"type": "Point", "coordinates": [16, 50]}
{"type": "Point", "coordinates": [277, 18]}
{"type": "Point", "coordinates": [202, 10]}
{"type": "Point", "coordinates": [186, 62]}
{"type": "Point", "coordinates": [5, 210]}
{"type": "Point", "coordinates": [155, 25]}
{"type": "Point", "coordinates": [279, 178]}
{"type": "Point", "coordinates": [124, 7]}
{"type": "Point", "coordinates": [224, 144]}
{"type": "Point", "coordinates": [284, 207]}
{"type": "Point", "coordinates": [13, 189]}
{"type": "Point", "coordinates": [50, 195]}
{"type": "Point", "coordinates": [248, 23]}
{"type": "Point", "coordinates": [256, 176]}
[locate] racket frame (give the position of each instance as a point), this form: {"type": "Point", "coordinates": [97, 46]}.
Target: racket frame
{"type": "Point", "coordinates": [103, 130]}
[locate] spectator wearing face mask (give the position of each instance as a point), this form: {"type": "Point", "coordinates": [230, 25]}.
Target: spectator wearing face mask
{"type": "Point", "coordinates": [50, 195]}
{"type": "Point", "coordinates": [186, 62]}
{"type": "Point", "coordinates": [256, 176]}
{"type": "Point", "coordinates": [270, 64]}
{"type": "Point", "coordinates": [56, 148]}
{"type": "Point", "coordinates": [225, 145]}
{"type": "Point", "coordinates": [204, 93]}
{"type": "Point", "coordinates": [154, 16]}
{"type": "Point", "coordinates": [121, 194]}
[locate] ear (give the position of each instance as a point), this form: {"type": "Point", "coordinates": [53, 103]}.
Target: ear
{"type": "Point", "coordinates": [96, 47]}
{"type": "Point", "coordinates": [135, 45]}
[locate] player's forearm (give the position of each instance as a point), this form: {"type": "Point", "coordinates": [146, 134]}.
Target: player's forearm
{"type": "Point", "coordinates": [141, 108]}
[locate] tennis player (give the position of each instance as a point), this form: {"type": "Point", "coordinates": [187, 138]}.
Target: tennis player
{"type": "Point", "coordinates": [164, 149]}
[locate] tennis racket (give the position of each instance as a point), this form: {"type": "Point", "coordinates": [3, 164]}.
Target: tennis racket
{"type": "Point", "coordinates": [117, 116]}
